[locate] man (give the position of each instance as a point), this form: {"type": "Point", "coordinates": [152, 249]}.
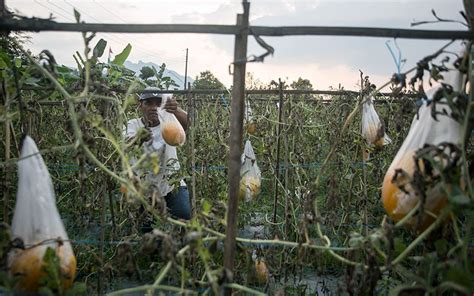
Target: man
{"type": "Point", "coordinates": [177, 199]}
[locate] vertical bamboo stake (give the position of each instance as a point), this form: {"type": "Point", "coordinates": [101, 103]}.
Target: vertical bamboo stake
{"type": "Point", "coordinates": [6, 191]}
{"type": "Point", "coordinates": [287, 195]}
{"type": "Point", "coordinates": [6, 169]}
{"type": "Point", "coordinates": [236, 131]}
{"type": "Point", "coordinates": [191, 106]}
{"type": "Point", "coordinates": [102, 239]}
{"type": "Point", "coordinates": [364, 167]}
{"type": "Point", "coordinates": [111, 202]}
{"type": "Point", "coordinates": [277, 161]}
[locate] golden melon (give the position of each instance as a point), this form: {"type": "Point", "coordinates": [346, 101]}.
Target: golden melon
{"type": "Point", "coordinates": [249, 187]}
{"type": "Point", "coordinates": [251, 128]}
{"type": "Point", "coordinates": [173, 134]}
{"type": "Point", "coordinates": [398, 202]}
{"type": "Point", "coordinates": [261, 271]}
{"type": "Point", "coordinates": [379, 143]}
{"type": "Point", "coordinates": [28, 265]}
{"type": "Point", "coordinates": [372, 135]}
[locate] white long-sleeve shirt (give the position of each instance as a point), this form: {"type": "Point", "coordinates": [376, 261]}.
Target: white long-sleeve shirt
{"type": "Point", "coordinates": [167, 158]}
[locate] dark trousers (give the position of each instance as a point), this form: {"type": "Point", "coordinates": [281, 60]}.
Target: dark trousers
{"type": "Point", "coordinates": [178, 203]}
{"type": "Point", "coordinates": [178, 206]}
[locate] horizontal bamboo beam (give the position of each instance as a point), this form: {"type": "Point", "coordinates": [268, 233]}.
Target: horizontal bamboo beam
{"type": "Point", "coordinates": [324, 101]}
{"type": "Point", "coordinates": [361, 31]}
{"type": "Point", "coordinates": [248, 91]}
{"type": "Point", "coordinates": [37, 25]}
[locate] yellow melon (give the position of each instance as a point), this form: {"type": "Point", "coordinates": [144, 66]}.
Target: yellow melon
{"type": "Point", "coordinates": [261, 271]}
{"type": "Point", "coordinates": [249, 187]}
{"type": "Point", "coordinates": [398, 203]}
{"type": "Point", "coordinates": [173, 134]}
{"type": "Point", "coordinates": [379, 143]}
{"type": "Point", "coordinates": [372, 135]}
{"type": "Point", "coordinates": [28, 265]}
{"type": "Point", "coordinates": [251, 128]}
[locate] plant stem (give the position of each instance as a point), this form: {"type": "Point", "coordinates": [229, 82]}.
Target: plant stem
{"type": "Point", "coordinates": [421, 237]}
{"type": "Point", "coordinates": [129, 291]}
{"type": "Point", "coordinates": [465, 129]}
{"type": "Point", "coordinates": [43, 151]}
{"type": "Point", "coordinates": [161, 276]}
{"type": "Point", "coordinates": [268, 242]}
{"type": "Point", "coordinates": [244, 288]}
{"type": "Point", "coordinates": [408, 216]}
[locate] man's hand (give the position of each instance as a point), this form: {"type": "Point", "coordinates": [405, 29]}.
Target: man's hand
{"type": "Point", "coordinates": [171, 106]}
{"type": "Point", "coordinates": [143, 135]}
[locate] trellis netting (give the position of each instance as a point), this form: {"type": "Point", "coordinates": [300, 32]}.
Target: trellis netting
{"type": "Point", "coordinates": [171, 130]}
{"type": "Point", "coordinates": [432, 125]}
{"type": "Point", "coordinates": [36, 221]}
{"type": "Point", "coordinates": [250, 175]}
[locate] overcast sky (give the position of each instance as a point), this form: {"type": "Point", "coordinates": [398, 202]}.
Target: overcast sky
{"type": "Point", "coordinates": [326, 61]}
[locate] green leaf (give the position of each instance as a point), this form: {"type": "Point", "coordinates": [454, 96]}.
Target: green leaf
{"type": "Point", "coordinates": [77, 15]}
{"type": "Point", "coordinates": [5, 58]}
{"type": "Point", "coordinates": [399, 246]}
{"type": "Point", "coordinates": [77, 289]}
{"type": "Point", "coordinates": [77, 57]}
{"type": "Point", "coordinates": [460, 199]}
{"type": "Point", "coordinates": [155, 163]}
{"type": "Point", "coordinates": [206, 206]}
{"type": "Point", "coordinates": [45, 291]}
{"type": "Point", "coordinates": [441, 246]}
{"type": "Point", "coordinates": [460, 276]}
{"type": "Point", "coordinates": [64, 69]}
{"type": "Point", "coordinates": [51, 266]}
{"type": "Point", "coordinates": [407, 289]}
{"type": "Point", "coordinates": [356, 240]}
{"type": "Point", "coordinates": [32, 81]}
{"type": "Point", "coordinates": [99, 49]}
{"type": "Point", "coordinates": [122, 57]}
{"type": "Point", "coordinates": [17, 62]}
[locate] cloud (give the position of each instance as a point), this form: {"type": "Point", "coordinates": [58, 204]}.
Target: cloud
{"type": "Point", "coordinates": [321, 77]}
{"type": "Point", "coordinates": [368, 54]}
{"type": "Point", "coordinates": [326, 59]}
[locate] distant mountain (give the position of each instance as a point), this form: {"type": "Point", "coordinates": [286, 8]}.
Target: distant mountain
{"type": "Point", "coordinates": [178, 78]}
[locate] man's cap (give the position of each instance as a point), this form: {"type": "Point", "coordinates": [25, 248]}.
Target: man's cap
{"type": "Point", "coordinates": [150, 93]}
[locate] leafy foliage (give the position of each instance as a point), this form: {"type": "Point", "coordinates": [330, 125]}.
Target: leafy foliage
{"type": "Point", "coordinates": [207, 80]}
{"type": "Point", "coordinates": [152, 77]}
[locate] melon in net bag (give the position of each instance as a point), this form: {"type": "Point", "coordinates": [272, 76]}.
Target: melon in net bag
{"type": "Point", "coordinates": [373, 130]}
{"type": "Point", "coordinates": [171, 130]}
{"type": "Point", "coordinates": [36, 221]}
{"type": "Point", "coordinates": [399, 195]}
{"type": "Point", "coordinates": [250, 175]}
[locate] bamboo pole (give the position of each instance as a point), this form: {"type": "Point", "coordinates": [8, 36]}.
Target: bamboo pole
{"type": "Point", "coordinates": [277, 159]}
{"type": "Point", "coordinates": [469, 10]}
{"type": "Point", "coordinates": [111, 203]}
{"type": "Point", "coordinates": [37, 25]}
{"type": "Point", "coordinates": [102, 239]}
{"type": "Point", "coordinates": [191, 108]}
{"type": "Point", "coordinates": [236, 138]}
{"type": "Point", "coordinates": [6, 190]}
{"type": "Point", "coordinates": [364, 165]}
{"type": "Point", "coordinates": [287, 174]}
